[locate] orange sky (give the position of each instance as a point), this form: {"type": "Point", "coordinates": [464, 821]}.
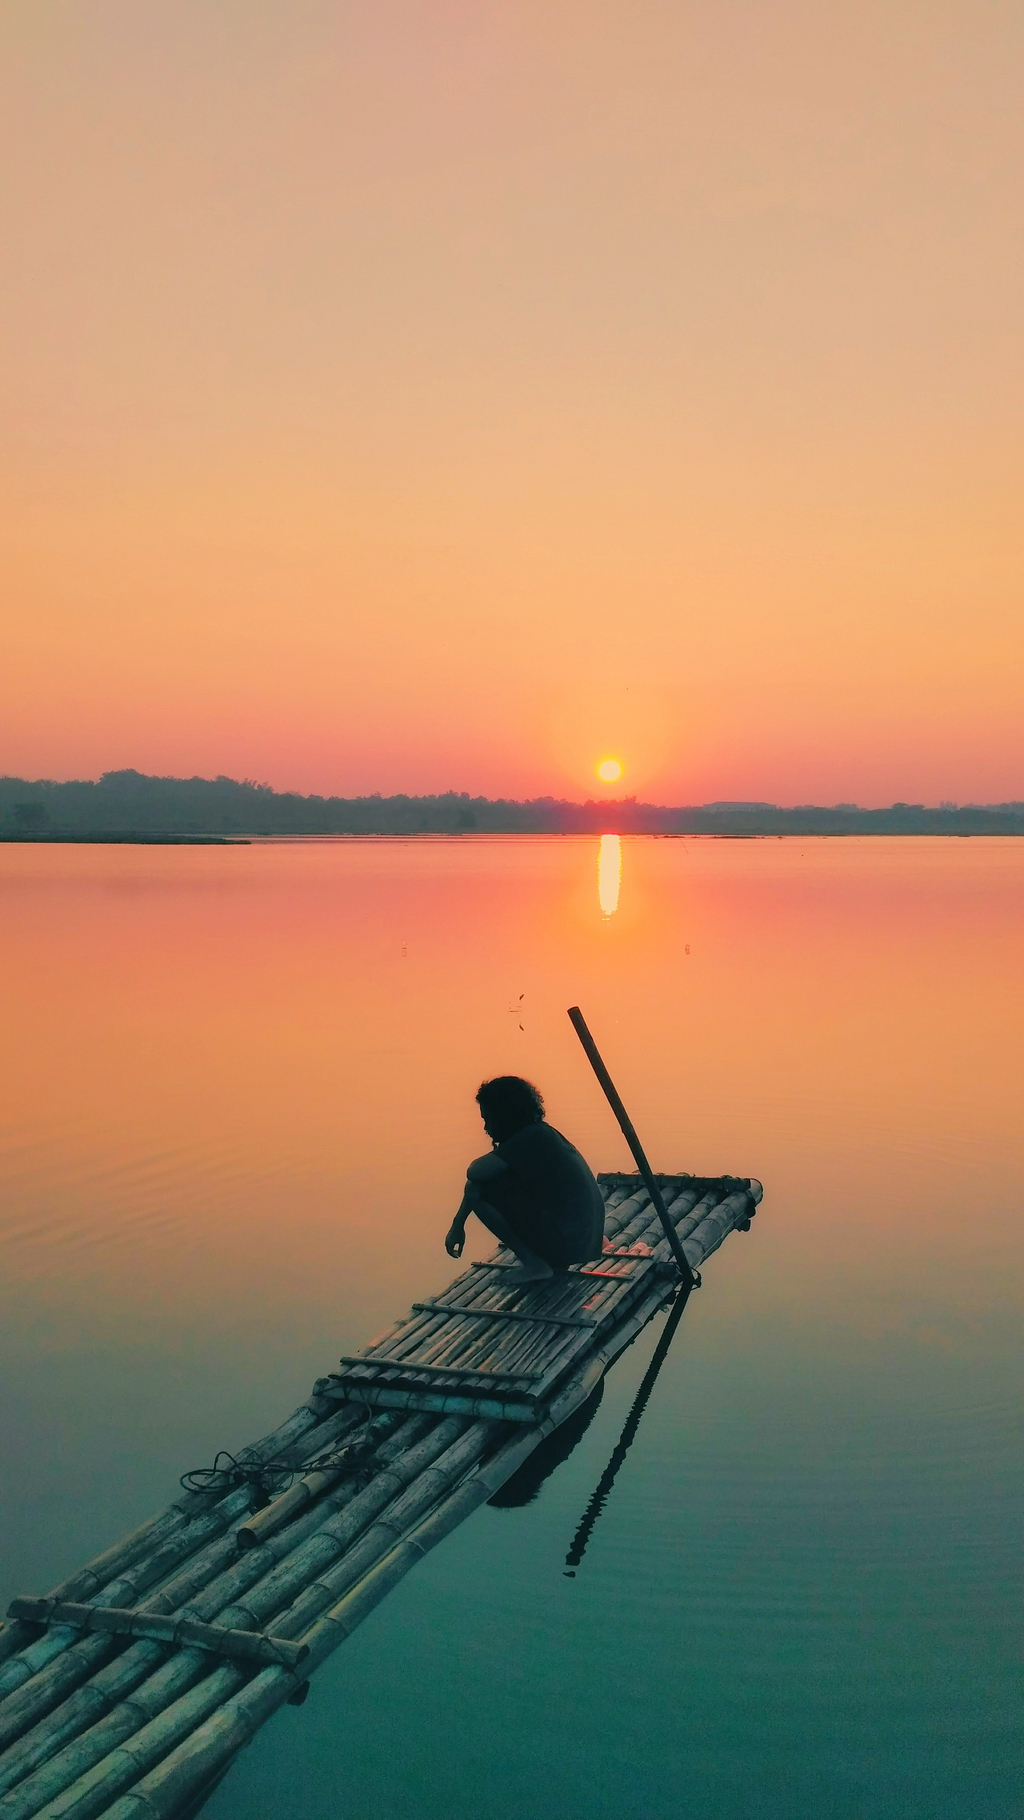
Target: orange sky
{"type": "Point", "coordinates": [448, 395]}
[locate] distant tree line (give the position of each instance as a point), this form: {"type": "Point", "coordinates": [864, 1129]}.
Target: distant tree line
{"type": "Point", "coordinates": [128, 803]}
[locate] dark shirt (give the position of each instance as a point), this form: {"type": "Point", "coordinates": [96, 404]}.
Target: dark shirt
{"type": "Point", "coordinates": [558, 1180]}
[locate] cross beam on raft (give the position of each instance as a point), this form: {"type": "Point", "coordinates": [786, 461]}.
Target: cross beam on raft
{"type": "Point", "coordinates": [135, 1713]}
{"type": "Point", "coordinates": [507, 1314]}
{"type": "Point", "coordinates": [247, 1645]}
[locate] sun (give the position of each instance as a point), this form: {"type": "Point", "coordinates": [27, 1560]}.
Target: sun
{"type": "Point", "coordinates": [608, 770]}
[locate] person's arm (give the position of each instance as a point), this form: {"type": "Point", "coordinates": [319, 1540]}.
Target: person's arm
{"type": "Point", "coordinates": [455, 1237]}
{"type": "Point", "coordinates": [482, 1169]}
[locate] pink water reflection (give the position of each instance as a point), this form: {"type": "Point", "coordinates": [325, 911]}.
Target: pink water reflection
{"type": "Point", "coordinates": [241, 1078]}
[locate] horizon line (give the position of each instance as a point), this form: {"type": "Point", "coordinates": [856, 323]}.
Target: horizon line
{"type": "Point", "coordinates": [719, 805]}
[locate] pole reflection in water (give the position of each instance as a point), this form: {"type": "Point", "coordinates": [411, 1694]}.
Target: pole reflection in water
{"type": "Point", "coordinates": [625, 1440]}
{"type": "Point", "coordinates": [609, 873]}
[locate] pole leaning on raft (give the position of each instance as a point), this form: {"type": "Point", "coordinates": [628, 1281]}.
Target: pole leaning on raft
{"type": "Point", "coordinates": [593, 1054]}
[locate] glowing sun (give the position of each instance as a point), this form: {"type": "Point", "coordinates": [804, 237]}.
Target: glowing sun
{"type": "Point", "coordinates": [609, 769]}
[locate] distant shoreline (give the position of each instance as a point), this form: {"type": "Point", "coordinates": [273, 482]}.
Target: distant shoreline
{"type": "Point", "coordinates": [123, 840]}
{"type": "Point", "coordinates": [461, 834]}
{"type": "Point", "coordinates": [127, 806]}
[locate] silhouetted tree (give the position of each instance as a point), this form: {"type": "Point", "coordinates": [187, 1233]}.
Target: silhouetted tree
{"type": "Point", "coordinates": [30, 817]}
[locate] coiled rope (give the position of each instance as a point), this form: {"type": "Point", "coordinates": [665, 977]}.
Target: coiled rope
{"type": "Point", "coordinates": [267, 1479]}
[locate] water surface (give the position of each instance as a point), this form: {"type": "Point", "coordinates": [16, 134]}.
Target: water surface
{"type": "Point", "coordinates": [236, 1101]}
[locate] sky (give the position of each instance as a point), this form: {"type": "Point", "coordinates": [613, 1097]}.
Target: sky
{"type": "Point", "coordinates": [454, 395]}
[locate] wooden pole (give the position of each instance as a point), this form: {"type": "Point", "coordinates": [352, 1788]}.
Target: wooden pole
{"type": "Point", "coordinates": [593, 1055]}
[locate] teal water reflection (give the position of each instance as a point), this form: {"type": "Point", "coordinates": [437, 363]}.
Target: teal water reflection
{"type": "Point", "coordinates": [802, 1597]}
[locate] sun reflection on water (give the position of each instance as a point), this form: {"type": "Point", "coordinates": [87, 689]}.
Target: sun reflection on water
{"type": "Point", "coordinates": [609, 873]}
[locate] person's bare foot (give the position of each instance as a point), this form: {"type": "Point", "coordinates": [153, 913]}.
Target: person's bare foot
{"type": "Point", "coordinates": [538, 1272]}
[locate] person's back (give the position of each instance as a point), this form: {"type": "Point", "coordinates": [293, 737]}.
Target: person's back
{"type": "Point", "coordinates": [568, 1200]}
{"type": "Point", "coordinates": [534, 1190]}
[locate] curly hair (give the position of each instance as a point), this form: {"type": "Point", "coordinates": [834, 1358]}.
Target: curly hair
{"type": "Point", "coordinates": [507, 1104]}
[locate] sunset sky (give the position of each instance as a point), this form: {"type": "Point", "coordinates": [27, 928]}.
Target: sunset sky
{"type": "Point", "coordinates": [455, 395]}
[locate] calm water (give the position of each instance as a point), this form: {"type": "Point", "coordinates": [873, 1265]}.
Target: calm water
{"type": "Point", "coordinates": [237, 1098]}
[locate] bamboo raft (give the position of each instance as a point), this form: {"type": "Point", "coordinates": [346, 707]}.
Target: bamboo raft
{"type": "Point", "coordinates": [129, 1689]}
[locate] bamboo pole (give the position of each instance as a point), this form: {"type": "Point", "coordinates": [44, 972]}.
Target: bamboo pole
{"type": "Point", "coordinates": [162, 1793]}
{"type": "Point", "coordinates": [720, 1221]}
{"type": "Point", "coordinates": [170, 1536]}
{"type": "Point", "coordinates": [97, 1573]}
{"type": "Point", "coordinates": [143, 1672]}
{"type": "Point", "coordinates": [508, 1314]}
{"type": "Point", "coordinates": [687, 1220]}
{"type": "Point", "coordinates": [282, 1510]}
{"type": "Point", "coordinates": [52, 1667]}
{"type": "Point", "coordinates": [265, 1523]}
{"type": "Point", "coordinates": [291, 1580]}
{"type": "Point", "coordinates": [708, 1225]}
{"type": "Point", "coordinates": [465, 1396]}
{"type": "Point", "coordinates": [92, 1792]}
{"type": "Point", "coordinates": [578, 1022]}
{"type": "Point", "coordinates": [428, 1488]}
{"type": "Point", "coordinates": [405, 1336]}
{"type": "Point", "coordinates": [641, 1222]}
{"type": "Point", "coordinates": [96, 1789]}
{"type": "Point", "coordinates": [495, 1408]}
{"type": "Point", "coordinates": [620, 1192]}
{"type": "Point", "coordinates": [510, 1455]}
{"type": "Point", "coordinates": [82, 1657]}
{"type": "Point", "coordinates": [473, 1347]}
{"type": "Point", "coordinates": [688, 1224]}
{"type": "Point", "coordinates": [622, 1232]}
{"type": "Point", "coordinates": [626, 1212]}
{"type": "Point", "coordinates": [276, 1588]}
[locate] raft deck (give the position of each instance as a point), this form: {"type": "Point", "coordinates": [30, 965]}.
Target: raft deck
{"type": "Point", "coordinates": [129, 1689]}
{"type": "Point", "coordinates": [485, 1349]}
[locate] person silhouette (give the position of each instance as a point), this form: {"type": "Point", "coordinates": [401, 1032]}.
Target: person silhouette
{"type": "Point", "coordinates": [533, 1190]}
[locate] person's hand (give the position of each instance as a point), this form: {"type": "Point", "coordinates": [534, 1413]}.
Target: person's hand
{"type": "Point", "coordinates": [456, 1239]}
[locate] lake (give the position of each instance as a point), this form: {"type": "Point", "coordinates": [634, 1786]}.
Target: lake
{"type": "Point", "coordinates": [237, 1102]}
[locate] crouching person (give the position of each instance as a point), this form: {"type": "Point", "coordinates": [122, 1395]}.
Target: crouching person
{"type": "Point", "coordinates": [533, 1189]}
